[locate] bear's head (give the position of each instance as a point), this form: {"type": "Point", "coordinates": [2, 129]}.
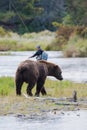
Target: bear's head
{"type": "Point", "coordinates": [57, 73]}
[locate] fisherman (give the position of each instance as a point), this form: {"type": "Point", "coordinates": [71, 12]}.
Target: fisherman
{"type": "Point", "coordinates": [40, 54]}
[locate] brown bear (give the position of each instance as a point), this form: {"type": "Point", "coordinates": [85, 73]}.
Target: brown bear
{"type": "Point", "coordinates": [35, 72]}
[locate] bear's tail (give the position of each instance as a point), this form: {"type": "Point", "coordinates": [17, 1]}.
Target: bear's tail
{"type": "Point", "coordinates": [22, 69]}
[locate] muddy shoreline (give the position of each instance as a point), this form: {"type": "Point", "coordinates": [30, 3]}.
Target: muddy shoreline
{"type": "Point", "coordinates": [38, 106]}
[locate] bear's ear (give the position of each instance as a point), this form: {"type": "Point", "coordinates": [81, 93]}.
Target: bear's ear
{"type": "Point", "coordinates": [56, 67]}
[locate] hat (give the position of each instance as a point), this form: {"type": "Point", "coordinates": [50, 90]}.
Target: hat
{"type": "Point", "coordinates": [38, 46]}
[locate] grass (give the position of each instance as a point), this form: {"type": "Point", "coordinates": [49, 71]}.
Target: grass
{"type": "Point", "coordinates": [53, 88]}
{"type": "Point", "coordinates": [65, 88]}
{"type": "Point", "coordinates": [28, 41]}
{"type": "Point", "coordinates": [19, 105]}
{"type": "Point", "coordinates": [6, 86]}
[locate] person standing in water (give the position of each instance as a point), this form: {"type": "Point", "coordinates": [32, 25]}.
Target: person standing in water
{"type": "Point", "coordinates": [40, 54]}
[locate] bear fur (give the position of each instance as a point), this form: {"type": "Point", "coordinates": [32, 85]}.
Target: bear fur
{"type": "Point", "coordinates": [35, 72]}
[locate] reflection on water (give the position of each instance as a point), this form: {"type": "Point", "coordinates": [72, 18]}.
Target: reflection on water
{"type": "Point", "coordinates": [74, 69]}
{"type": "Point", "coordinates": [64, 121]}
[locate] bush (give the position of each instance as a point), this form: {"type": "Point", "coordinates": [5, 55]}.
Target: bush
{"type": "Point", "coordinates": [65, 31]}
{"type": "Point", "coordinates": [2, 32]}
{"type": "Point", "coordinates": [71, 39]}
{"type": "Point", "coordinates": [76, 47]}
{"type": "Point", "coordinates": [8, 44]}
{"type": "Point", "coordinates": [82, 47]}
{"type": "Point", "coordinates": [81, 31]}
{"type": "Point", "coordinates": [62, 36]}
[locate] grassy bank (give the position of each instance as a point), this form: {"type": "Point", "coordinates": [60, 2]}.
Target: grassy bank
{"type": "Point", "coordinates": [28, 106]}
{"type": "Point", "coordinates": [53, 88]}
{"type": "Point", "coordinates": [28, 41]}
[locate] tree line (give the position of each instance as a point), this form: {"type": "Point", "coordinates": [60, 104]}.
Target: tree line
{"type": "Point", "coordinates": [37, 15]}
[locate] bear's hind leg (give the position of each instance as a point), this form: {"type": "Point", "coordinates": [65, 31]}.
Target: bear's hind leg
{"type": "Point", "coordinates": [29, 89]}
{"type": "Point", "coordinates": [18, 87]}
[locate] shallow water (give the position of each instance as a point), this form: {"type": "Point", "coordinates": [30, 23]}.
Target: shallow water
{"type": "Point", "coordinates": [73, 120]}
{"type": "Point", "coordinates": [74, 69]}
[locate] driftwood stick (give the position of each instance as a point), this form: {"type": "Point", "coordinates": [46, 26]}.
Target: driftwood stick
{"type": "Point", "coordinates": [74, 96]}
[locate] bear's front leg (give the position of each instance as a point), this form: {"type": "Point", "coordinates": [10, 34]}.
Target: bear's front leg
{"type": "Point", "coordinates": [29, 92]}
{"type": "Point", "coordinates": [43, 91]}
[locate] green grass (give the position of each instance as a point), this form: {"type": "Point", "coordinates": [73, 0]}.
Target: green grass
{"type": "Point", "coordinates": [7, 86]}
{"type": "Point", "coordinates": [28, 41]}
{"type": "Point", "coordinates": [53, 88]}
{"type": "Point", "coordinates": [65, 88]}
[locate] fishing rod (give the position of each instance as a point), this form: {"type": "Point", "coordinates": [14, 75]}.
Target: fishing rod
{"type": "Point", "coordinates": [13, 5]}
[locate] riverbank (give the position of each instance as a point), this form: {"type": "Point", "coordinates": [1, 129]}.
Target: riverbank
{"type": "Point", "coordinates": [59, 98]}
{"type": "Point", "coordinates": [38, 106]}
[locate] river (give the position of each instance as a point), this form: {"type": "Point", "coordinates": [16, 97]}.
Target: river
{"type": "Point", "coordinates": [71, 120]}
{"type": "Point", "coordinates": [73, 69]}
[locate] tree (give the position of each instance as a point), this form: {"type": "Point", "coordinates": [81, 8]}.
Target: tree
{"type": "Point", "coordinates": [77, 10]}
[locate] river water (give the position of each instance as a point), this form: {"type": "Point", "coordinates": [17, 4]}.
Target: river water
{"type": "Point", "coordinates": [73, 120]}
{"type": "Point", "coordinates": [73, 69]}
